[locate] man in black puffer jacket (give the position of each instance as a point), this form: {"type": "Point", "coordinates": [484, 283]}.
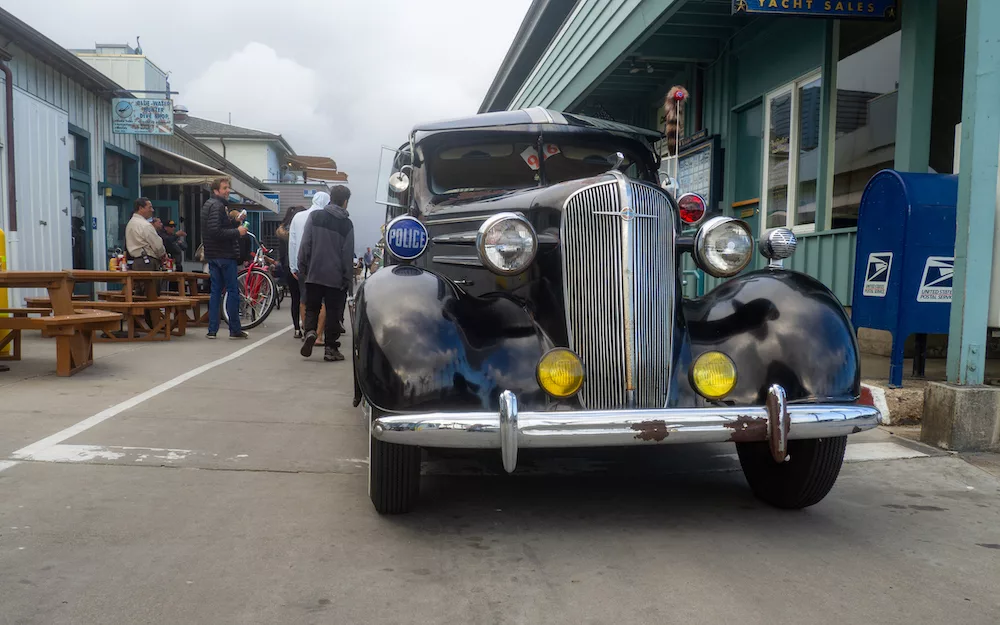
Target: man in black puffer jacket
{"type": "Point", "coordinates": [222, 251]}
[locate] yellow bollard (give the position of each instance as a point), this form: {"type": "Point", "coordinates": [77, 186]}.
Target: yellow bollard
{"type": "Point", "coordinates": [5, 350]}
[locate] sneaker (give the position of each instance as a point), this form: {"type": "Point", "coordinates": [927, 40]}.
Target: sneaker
{"type": "Point", "coordinates": [211, 335]}
{"type": "Point", "coordinates": [297, 335]}
{"type": "Point", "coordinates": [241, 335]}
{"type": "Point", "coordinates": [307, 345]}
{"type": "Point", "coordinates": [332, 354]}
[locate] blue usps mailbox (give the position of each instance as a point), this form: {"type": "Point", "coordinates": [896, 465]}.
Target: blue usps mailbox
{"type": "Point", "coordinates": [905, 258]}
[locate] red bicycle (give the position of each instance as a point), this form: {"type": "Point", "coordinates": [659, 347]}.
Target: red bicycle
{"type": "Point", "coordinates": [258, 290]}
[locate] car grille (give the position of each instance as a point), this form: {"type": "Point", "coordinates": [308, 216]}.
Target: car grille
{"type": "Point", "coordinates": [619, 281]}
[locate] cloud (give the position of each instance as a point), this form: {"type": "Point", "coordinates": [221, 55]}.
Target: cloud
{"type": "Point", "coordinates": [253, 86]}
{"type": "Point", "coordinates": [336, 78]}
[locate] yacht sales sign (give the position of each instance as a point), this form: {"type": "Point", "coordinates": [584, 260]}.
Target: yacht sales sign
{"type": "Point", "coordinates": [138, 116]}
{"type": "Point", "coordinates": [872, 9]}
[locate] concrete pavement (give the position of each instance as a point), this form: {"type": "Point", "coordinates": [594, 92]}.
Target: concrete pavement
{"type": "Point", "coordinates": [230, 498]}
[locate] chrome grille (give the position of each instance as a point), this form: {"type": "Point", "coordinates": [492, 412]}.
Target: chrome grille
{"type": "Point", "coordinates": [619, 287]}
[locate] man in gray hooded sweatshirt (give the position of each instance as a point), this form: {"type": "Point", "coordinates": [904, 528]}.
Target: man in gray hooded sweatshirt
{"type": "Point", "coordinates": [325, 262]}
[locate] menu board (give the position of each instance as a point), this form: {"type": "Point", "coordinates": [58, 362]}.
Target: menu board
{"type": "Point", "coordinates": [695, 170]}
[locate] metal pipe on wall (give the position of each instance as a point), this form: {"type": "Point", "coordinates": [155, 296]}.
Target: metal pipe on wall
{"type": "Point", "coordinates": [5, 57]}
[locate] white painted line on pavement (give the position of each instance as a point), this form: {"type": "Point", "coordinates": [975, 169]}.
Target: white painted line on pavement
{"type": "Point", "coordinates": [6, 464]}
{"type": "Point", "coordinates": [27, 453]}
{"type": "Point", "coordinates": [862, 452]}
{"type": "Point", "coordinates": [86, 453]}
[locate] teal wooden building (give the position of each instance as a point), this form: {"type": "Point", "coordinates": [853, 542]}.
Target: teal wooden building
{"type": "Point", "coordinates": [801, 111]}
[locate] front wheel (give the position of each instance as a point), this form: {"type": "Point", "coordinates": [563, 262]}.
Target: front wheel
{"type": "Point", "coordinates": [802, 480]}
{"type": "Point", "coordinates": [393, 475]}
{"type": "Point", "coordinates": [257, 297]}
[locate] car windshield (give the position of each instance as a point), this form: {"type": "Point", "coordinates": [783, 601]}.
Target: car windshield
{"type": "Point", "coordinates": [516, 165]}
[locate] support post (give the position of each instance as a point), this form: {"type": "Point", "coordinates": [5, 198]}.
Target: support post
{"type": "Point", "coordinates": [916, 86]}
{"type": "Point", "coordinates": [827, 125]}
{"type": "Point", "coordinates": [977, 194]}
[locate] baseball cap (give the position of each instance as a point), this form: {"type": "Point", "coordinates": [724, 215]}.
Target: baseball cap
{"type": "Point", "coordinates": [171, 223]}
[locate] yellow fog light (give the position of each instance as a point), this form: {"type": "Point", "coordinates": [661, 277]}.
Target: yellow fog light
{"type": "Point", "coordinates": [560, 372]}
{"type": "Point", "coordinates": [713, 375]}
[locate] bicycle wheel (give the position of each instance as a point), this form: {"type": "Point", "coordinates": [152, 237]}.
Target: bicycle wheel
{"type": "Point", "coordinates": [257, 297]}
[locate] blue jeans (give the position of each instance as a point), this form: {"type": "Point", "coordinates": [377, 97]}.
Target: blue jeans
{"type": "Point", "coordinates": [223, 272]}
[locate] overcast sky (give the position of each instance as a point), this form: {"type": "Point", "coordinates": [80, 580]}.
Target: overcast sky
{"type": "Point", "coordinates": [337, 78]}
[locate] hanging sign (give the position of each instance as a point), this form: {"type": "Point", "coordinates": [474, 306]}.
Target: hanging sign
{"type": "Point", "coordinates": [871, 9]}
{"type": "Point", "coordinates": [136, 116]}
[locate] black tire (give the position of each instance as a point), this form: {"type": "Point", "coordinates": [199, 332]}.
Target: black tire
{"type": "Point", "coordinates": [803, 480]}
{"type": "Point", "coordinates": [393, 476]}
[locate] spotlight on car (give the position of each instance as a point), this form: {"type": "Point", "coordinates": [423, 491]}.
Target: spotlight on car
{"type": "Point", "coordinates": [777, 244]}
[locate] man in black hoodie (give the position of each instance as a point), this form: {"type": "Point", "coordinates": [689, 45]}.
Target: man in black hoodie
{"type": "Point", "coordinates": [222, 251]}
{"type": "Point", "coordinates": [326, 261]}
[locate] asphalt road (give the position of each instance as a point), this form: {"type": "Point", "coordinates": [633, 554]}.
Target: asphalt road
{"type": "Point", "coordinates": [238, 495]}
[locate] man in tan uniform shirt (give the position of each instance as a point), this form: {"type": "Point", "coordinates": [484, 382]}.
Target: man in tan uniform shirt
{"type": "Point", "coordinates": [141, 238]}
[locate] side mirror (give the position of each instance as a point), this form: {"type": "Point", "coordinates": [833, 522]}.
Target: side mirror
{"type": "Point", "coordinates": [667, 183]}
{"type": "Point", "coordinates": [616, 160]}
{"type": "Point", "coordinates": [399, 184]}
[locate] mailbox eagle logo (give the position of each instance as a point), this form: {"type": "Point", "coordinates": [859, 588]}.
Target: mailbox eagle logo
{"type": "Point", "coordinates": [936, 283]}
{"type": "Point", "coordinates": [877, 274]}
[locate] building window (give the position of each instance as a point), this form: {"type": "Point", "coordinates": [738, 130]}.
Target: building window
{"type": "Point", "coordinates": [791, 154]}
{"type": "Point", "coordinates": [867, 83]}
{"type": "Point", "coordinates": [114, 169]}
{"type": "Point", "coordinates": [79, 152]}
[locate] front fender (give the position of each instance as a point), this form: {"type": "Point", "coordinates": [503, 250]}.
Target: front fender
{"type": "Point", "coordinates": [779, 327]}
{"type": "Point", "coordinates": [421, 343]}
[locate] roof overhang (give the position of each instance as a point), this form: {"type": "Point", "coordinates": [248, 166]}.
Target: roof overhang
{"type": "Point", "coordinates": [539, 27]}
{"type": "Point", "coordinates": [203, 174]}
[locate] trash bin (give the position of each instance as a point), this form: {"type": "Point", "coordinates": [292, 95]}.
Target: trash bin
{"type": "Point", "coordinates": [905, 260]}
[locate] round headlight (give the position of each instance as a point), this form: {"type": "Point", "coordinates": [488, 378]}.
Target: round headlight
{"type": "Point", "coordinates": [506, 243]}
{"type": "Point", "coordinates": [723, 246]}
{"type": "Point", "coordinates": [713, 375]}
{"type": "Point", "coordinates": [560, 372]}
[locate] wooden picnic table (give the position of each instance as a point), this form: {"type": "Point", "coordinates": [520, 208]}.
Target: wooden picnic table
{"type": "Point", "coordinates": [185, 284]}
{"type": "Point", "coordinates": [143, 312]}
{"type": "Point", "coordinates": [73, 328]}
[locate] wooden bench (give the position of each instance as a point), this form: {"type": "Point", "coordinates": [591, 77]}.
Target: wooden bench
{"type": "Point", "coordinates": [162, 314]}
{"type": "Point", "coordinates": [167, 317]}
{"type": "Point", "coordinates": [44, 302]}
{"type": "Point", "coordinates": [74, 333]}
{"type": "Point", "coordinates": [13, 336]}
{"type": "Point", "coordinates": [197, 314]}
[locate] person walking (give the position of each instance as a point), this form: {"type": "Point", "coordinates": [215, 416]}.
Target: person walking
{"type": "Point", "coordinates": [222, 250]}
{"type": "Point", "coordinates": [293, 283]}
{"type": "Point", "coordinates": [369, 259]}
{"type": "Point", "coordinates": [324, 261]}
{"type": "Point", "coordinates": [320, 200]}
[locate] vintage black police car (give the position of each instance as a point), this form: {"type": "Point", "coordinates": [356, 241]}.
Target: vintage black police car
{"type": "Point", "coordinates": [531, 299]}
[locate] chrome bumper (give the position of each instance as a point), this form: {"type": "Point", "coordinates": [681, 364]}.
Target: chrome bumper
{"type": "Point", "coordinates": [509, 430]}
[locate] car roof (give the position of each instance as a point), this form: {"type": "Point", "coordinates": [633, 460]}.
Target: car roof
{"type": "Point", "coordinates": [535, 116]}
